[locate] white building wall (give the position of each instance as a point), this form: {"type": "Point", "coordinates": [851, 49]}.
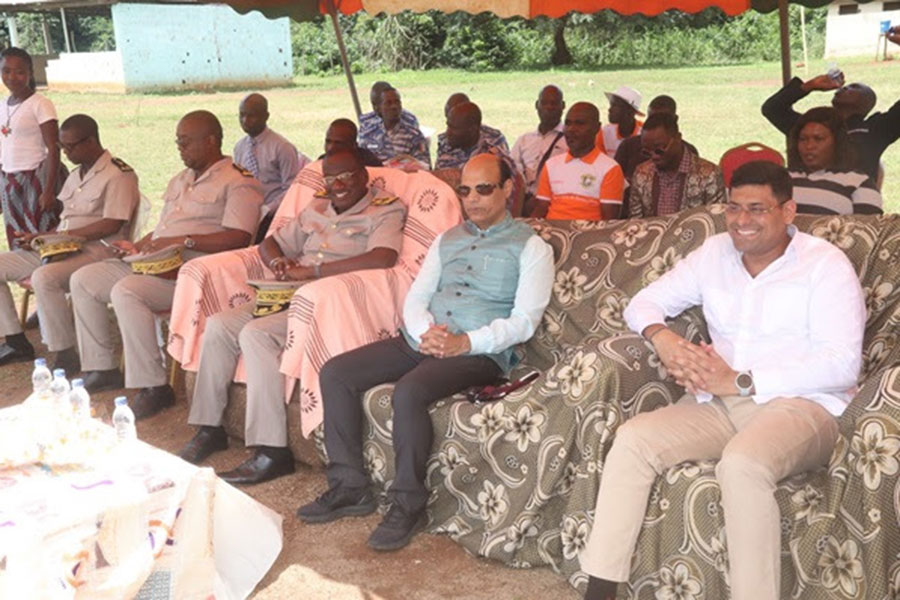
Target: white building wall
{"type": "Point", "coordinates": [857, 34]}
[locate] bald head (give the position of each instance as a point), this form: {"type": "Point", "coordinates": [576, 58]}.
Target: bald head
{"type": "Point", "coordinates": [464, 125]}
{"type": "Point", "coordinates": [484, 187]}
{"type": "Point", "coordinates": [550, 106]}
{"type": "Point", "coordinates": [198, 136]}
{"type": "Point", "coordinates": [340, 136]}
{"type": "Point", "coordinates": [854, 99]}
{"type": "Point", "coordinates": [253, 113]}
{"type": "Point", "coordinates": [453, 100]}
{"type": "Point", "coordinates": [581, 128]}
{"type": "Point", "coordinates": [82, 126]}
{"type": "Point", "coordinates": [206, 123]}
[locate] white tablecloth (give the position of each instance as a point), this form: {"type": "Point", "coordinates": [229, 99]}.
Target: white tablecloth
{"type": "Point", "coordinates": [135, 522]}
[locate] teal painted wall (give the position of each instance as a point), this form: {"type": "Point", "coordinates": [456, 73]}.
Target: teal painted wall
{"type": "Point", "coordinates": [179, 47]}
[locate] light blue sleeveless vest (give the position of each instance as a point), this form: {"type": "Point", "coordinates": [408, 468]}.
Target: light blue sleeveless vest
{"type": "Point", "coordinates": [479, 276]}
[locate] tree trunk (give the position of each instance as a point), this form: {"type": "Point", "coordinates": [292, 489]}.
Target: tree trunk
{"type": "Point", "coordinates": [561, 54]}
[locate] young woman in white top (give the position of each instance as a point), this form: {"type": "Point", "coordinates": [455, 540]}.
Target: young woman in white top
{"type": "Point", "coordinates": [30, 170]}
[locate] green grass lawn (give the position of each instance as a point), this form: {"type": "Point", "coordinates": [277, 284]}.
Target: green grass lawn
{"type": "Point", "coordinates": [719, 108]}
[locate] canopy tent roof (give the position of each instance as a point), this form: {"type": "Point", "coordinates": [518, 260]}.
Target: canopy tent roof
{"type": "Point", "coordinates": [307, 9]}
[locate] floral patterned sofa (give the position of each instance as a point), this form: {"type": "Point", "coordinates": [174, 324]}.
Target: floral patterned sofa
{"type": "Point", "coordinates": [516, 480]}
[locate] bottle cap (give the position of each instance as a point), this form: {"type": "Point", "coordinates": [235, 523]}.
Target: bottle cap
{"type": "Point", "coordinates": [77, 383]}
{"type": "Point", "coordinates": [59, 373]}
{"type": "Point", "coordinates": [40, 362]}
{"type": "Point", "coordinates": [121, 401]}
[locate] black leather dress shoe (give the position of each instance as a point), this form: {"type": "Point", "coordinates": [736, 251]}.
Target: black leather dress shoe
{"type": "Point", "coordinates": [68, 361]}
{"type": "Point", "coordinates": [150, 401]}
{"type": "Point", "coordinates": [99, 381]}
{"type": "Point", "coordinates": [205, 442]}
{"type": "Point", "coordinates": [261, 467]}
{"type": "Point", "coordinates": [12, 354]}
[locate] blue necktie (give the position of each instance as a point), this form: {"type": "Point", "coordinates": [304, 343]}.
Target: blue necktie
{"type": "Point", "coordinates": [252, 164]}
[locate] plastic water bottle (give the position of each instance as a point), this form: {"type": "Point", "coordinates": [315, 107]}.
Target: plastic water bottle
{"type": "Point", "coordinates": [80, 400]}
{"type": "Point", "coordinates": [59, 387]}
{"type": "Point", "coordinates": [123, 420]}
{"type": "Point", "coordinates": [40, 377]}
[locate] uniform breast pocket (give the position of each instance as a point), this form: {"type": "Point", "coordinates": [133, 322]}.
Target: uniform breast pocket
{"type": "Point", "coordinates": [203, 205]}
{"type": "Point", "coordinates": [354, 237]}
{"type": "Point", "coordinates": [500, 274]}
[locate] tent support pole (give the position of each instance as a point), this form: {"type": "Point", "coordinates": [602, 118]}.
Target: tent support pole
{"type": "Point", "coordinates": [340, 40]}
{"type": "Point", "coordinates": [785, 41]}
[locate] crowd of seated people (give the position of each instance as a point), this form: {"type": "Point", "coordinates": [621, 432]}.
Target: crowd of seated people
{"type": "Point", "coordinates": [461, 321]}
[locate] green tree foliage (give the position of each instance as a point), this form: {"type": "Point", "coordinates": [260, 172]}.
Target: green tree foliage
{"type": "Point", "coordinates": [91, 31]}
{"type": "Point", "coordinates": [602, 40]}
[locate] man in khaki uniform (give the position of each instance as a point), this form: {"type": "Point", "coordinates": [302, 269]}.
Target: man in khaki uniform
{"type": "Point", "coordinates": [99, 200]}
{"type": "Point", "coordinates": [349, 227]}
{"type": "Point", "coordinates": [211, 206]}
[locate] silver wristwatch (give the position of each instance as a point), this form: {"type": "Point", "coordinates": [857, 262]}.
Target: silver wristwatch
{"type": "Point", "coordinates": [744, 383]}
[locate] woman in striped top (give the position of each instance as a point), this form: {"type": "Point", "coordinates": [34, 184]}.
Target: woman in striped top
{"type": "Point", "coordinates": [819, 159]}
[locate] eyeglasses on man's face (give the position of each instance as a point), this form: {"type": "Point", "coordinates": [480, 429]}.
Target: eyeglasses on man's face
{"type": "Point", "coordinates": [482, 189]}
{"type": "Point", "coordinates": [345, 178]}
{"type": "Point", "coordinates": [754, 210]}
{"type": "Point", "coordinates": [73, 145]}
{"type": "Point", "coordinates": [658, 151]}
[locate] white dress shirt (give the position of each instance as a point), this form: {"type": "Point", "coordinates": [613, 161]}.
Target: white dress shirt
{"type": "Point", "coordinates": [530, 148]}
{"type": "Point", "coordinates": [797, 326]}
{"type": "Point", "coordinates": [536, 273]}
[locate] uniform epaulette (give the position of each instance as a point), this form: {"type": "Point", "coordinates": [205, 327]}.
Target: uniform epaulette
{"type": "Point", "coordinates": [242, 170]}
{"type": "Point", "coordinates": [122, 165]}
{"type": "Point", "coordinates": [321, 194]}
{"type": "Point", "coordinates": [384, 200]}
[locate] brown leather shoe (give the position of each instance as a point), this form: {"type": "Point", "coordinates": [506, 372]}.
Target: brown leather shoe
{"type": "Point", "coordinates": [207, 440]}
{"type": "Point", "coordinates": [264, 465]}
{"type": "Point", "coordinates": [150, 401]}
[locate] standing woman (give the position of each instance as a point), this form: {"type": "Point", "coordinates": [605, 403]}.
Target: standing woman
{"type": "Point", "coordinates": [30, 170]}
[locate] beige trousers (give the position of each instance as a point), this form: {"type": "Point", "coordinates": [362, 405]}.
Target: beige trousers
{"type": "Point", "coordinates": [50, 283]}
{"type": "Point", "coordinates": [757, 445]}
{"type": "Point", "coordinates": [228, 335]}
{"type": "Point", "coordinates": [137, 301]}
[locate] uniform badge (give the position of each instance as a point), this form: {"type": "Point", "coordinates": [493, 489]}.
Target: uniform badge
{"type": "Point", "coordinates": [241, 170]}
{"type": "Point", "coordinates": [122, 165]}
{"type": "Point", "coordinates": [587, 180]}
{"type": "Point", "coordinates": [384, 200]}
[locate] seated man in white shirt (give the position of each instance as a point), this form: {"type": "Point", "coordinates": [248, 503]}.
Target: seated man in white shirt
{"type": "Point", "coordinates": [482, 289]}
{"type": "Point", "coordinates": [786, 316]}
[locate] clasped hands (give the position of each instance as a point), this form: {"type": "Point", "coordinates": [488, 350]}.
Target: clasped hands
{"type": "Point", "coordinates": [286, 269]}
{"type": "Point", "coordinates": [697, 368]}
{"type": "Point", "coordinates": [440, 343]}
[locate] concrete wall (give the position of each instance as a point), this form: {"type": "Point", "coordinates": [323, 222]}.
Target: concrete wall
{"type": "Point", "coordinates": [181, 47]}
{"type": "Point", "coordinates": [857, 34]}
{"type": "Point", "coordinates": [87, 71]}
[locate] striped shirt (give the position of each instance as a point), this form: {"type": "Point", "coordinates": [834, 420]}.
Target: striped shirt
{"type": "Point", "coordinates": [576, 187]}
{"type": "Point", "coordinates": [402, 139]}
{"type": "Point", "coordinates": [835, 193]}
{"type": "Point", "coordinates": [456, 158]}
{"type": "Point", "coordinates": [372, 119]}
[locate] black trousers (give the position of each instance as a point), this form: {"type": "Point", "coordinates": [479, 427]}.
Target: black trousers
{"type": "Point", "coordinates": [421, 380]}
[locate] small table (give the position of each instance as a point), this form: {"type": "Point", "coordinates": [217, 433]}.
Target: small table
{"type": "Point", "coordinates": [136, 522]}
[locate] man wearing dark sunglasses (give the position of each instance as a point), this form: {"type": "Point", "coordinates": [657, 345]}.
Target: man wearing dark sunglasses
{"type": "Point", "coordinates": [99, 199]}
{"type": "Point", "coordinates": [672, 178]}
{"type": "Point", "coordinates": [482, 289]}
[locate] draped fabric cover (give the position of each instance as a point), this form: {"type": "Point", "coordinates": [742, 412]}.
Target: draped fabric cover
{"type": "Point", "coordinates": [516, 480]}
